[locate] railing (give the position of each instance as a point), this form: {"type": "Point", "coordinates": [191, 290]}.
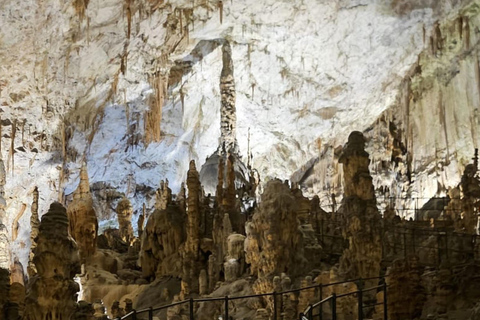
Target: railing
{"type": "Point", "coordinates": [133, 315]}
{"type": "Point", "coordinates": [308, 313]}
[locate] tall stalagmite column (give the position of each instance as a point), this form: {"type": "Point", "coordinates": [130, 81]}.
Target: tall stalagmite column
{"type": "Point", "coordinates": [124, 214]}
{"type": "Point", "coordinates": [228, 116]}
{"type": "Point", "coordinates": [192, 243]}
{"type": "Point", "coordinates": [82, 217]}
{"type": "Point", "coordinates": [52, 293]}
{"type": "Point", "coordinates": [34, 225]}
{"type": "Point", "coordinates": [362, 220]}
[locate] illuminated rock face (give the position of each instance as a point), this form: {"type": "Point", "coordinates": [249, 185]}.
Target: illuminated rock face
{"type": "Point", "coordinates": [52, 293]}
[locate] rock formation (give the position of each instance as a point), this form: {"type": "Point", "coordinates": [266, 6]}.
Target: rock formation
{"type": "Point", "coordinates": [163, 196]}
{"type": "Point", "coordinates": [34, 225]}
{"type": "Point", "coordinates": [274, 244]}
{"type": "Point", "coordinates": [361, 225]}
{"type": "Point", "coordinates": [406, 294]}
{"type": "Point", "coordinates": [124, 214]}
{"type": "Point", "coordinates": [191, 248]}
{"type": "Point", "coordinates": [228, 114]}
{"type": "Point", "coordinates": [51, 293]}
{"type": "Point", "coordinates": [82, 217]}
{"type": "Point", "coordinates": [161, 241]}
{"type": "Point", "coordinates": [4, 242]}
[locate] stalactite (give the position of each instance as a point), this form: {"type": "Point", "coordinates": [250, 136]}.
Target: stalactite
{"type": "Point", "coordinates": [34, 224]}
{"type": "Point", "coordinates": [466, 32]}
{"type": "Point", "coordinates": [220, 8]}
{"type": "Point", "coordinates": [23, 131]}
{"type": "Point", "coordinates": [81, 7]}
{"type": "Point", "coordinates": [128, 10]}
{"type": "Point", "coordinates": [153, 117]}
{"type": "Point", "coordinates": [15, 224]}
{"type": "Point", "coordinates": [11, 153]}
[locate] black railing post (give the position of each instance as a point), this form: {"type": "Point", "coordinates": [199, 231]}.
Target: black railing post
{"type": "Point", "coordinates": [134, 314]}
{"type": "Point", "coordinates": [310, 312]}
{"type": "Point", "coordinates": [191, 309]}
{"type": "Point", "coordinates": [360, 304]}
{"type": "Point", "coordinates": [385, 311]}
{"type": "Point", "coordinates": [150, 313]}
{"type": "Point", "coordinates": [226, 307]}
{"type": "Point", "coordinates": [334, 306]}
{"type": "Point", "coordinates": [274, 305]}
{"type": "Point", "coordinates": [300, 317]}
{"type": "Point", "coordinates": [320, 312]}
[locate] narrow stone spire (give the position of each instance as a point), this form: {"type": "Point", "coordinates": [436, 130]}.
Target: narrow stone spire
{"type": "Point", "coordinates": [228, 116]}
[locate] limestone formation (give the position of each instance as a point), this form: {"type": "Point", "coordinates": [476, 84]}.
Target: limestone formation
{"type": "Point", "coordinates": [273, 243]}
{"type": "Point", "coordinates": [191, 248]}
{"type": "Point", "coordinates": [4, 291]}
{"type": "Point", "coordinates": [34, 225]}
{"type": "Point", "coordinates": [228, 116]}
{"type": "Point", "coordinates": [406, 294]}
{"type": "Point", "coordinates": [163, 196]}
{"type": "Point", "coordinates": [161, 241]}
{"type": "Point", "coordinates": [51, 293]}
{"type": "Point", "coordinates": [82, 217]}
{"type": "Point", "coordinates": [4, 241]}
{"type": "Point", "coordinates": [361, 225]}
{"type": "Point", "coordinates": [124, 212]}
{"type": "Point", "coordinates": [470, 186]}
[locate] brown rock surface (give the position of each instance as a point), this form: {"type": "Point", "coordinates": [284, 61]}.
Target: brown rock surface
{"type": "Point", "coordinates": [362, 221]}
{"type": "Point", "coordinates": [161, 240]}
{"type": "Point", "coordinates": [82, 217]}
{"type": "Point", "coordinates": [124, 212]}
{"type": "Point", "coordinates": [51, 293]}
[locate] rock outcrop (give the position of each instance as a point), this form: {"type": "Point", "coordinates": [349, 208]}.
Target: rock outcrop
{"type": "Point", "coordinates": [161, 242]}
{"type": "Point", "coordinates": [51, 293]}
{"type": "Point", "coordinates": [124, 214]}
{"type": "Point", "coordinates": [34, 225]}
{"type": "Point", "coordinates": [82, 217]}
{"type": "Point", "coordinates": [361, 219]}
{"type": "Point", "coordinates": [4, 241]}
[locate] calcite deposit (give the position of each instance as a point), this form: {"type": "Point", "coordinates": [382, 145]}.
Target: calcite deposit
{"type": "Point", "coordinates": [52, 292]}
{"type": "Point", "coordinates": [83, 223]}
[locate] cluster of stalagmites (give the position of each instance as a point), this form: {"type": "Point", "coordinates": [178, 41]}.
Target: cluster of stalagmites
{"type": "Point", "coordinates": [196, 245]}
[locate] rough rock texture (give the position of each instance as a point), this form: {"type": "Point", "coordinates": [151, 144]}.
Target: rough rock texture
{"type": "Point", "coordinates": [82, 217]}
{"type": "Point", "coordinates": [361, 217]}
{"type": "Point", "coordinates": [228, 114]}
{"type": "Point", "coordinates": [34, 225]}
{"type": "Point", "coordinates": [274, 244]}
{"type": "Point", "coordinates": [4, 241]}
{"type": "Point", "coordinates": [406, 294]}
{"type": "Point", "coordinates": [51, 293]}
{"type": "Point", "coordinates": [161, 240]}
{"type": "Point", "coordinates": [124, 214]}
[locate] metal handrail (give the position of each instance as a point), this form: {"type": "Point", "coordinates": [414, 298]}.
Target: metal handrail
{"type": "Point", "coordinates": [191, 301]}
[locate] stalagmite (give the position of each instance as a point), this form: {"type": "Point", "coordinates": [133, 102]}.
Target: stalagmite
{"type": "Point", "coordinates": [361, 217]}
{"type": "Point", "coordinates": [34, 224]}
{"type": "Point", "coordinates": [124, 212]}
{"type": "Point", "coordinates": [192, 243]}
{"type": "Point", "coordinates": [228, 120]}
{"type": "Point", "coordinates": [163, 196]}
{"type": "Point", "coordinates": [82, 217]}
{"type": "Point", "coordinates": [51, 293]}
{"type": "Point", "coordinates": [161, 241]}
